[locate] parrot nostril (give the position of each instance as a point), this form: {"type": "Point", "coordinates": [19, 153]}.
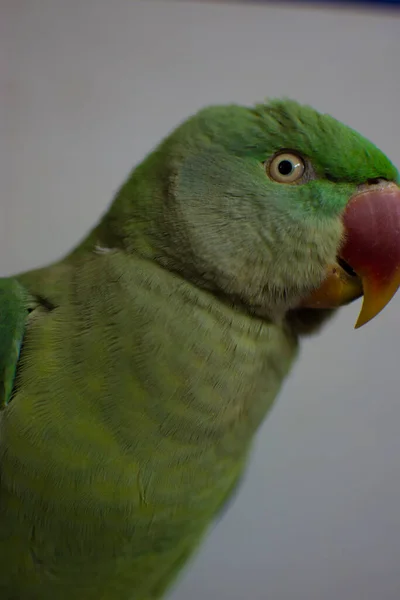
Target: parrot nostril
{"type": "Point", "coordinates": [373, 182]}
{"type": "Point", "coordinates": [346, 267]}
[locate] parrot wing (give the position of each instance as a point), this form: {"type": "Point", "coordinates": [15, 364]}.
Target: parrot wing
{"type": "Point", "coordinates": [14, 311]}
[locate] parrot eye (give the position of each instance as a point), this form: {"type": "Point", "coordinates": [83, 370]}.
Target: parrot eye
{"type": "Point", "coordinates": [285, 167]}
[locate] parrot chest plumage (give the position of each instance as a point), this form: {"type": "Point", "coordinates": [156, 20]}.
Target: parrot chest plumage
{"type": "Point", "coordinates": [136, 401]}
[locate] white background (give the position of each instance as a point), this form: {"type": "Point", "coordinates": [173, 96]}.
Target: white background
{"type": "Point", "coordinates": [87, 88]}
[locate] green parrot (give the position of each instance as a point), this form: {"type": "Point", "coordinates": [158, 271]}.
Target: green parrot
{"type": "Point", "coordinates": [135, 372]}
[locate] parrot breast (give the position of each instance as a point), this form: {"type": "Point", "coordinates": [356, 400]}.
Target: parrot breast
{"type": "Point", "coordinates": [138, 400]}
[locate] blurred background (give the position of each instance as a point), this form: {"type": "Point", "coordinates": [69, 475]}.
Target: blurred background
{"type": "Point", "coordinates": [87, 89]}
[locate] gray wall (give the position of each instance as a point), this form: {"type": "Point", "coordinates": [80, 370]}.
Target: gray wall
{"type": "Point", "coordinates": [88, 88]}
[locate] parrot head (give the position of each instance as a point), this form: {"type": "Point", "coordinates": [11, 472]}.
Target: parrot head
{"type": "Point", "coordinates": [272, 207]}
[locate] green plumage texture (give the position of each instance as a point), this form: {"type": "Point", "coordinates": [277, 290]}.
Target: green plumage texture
{"type": "Point", "coordinates": [136, 371]}
{"type": "Point", "coordinates": [14, 306]}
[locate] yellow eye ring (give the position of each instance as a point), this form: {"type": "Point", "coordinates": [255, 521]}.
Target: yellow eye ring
{"type": "Point", "coordinates": [286, 167]}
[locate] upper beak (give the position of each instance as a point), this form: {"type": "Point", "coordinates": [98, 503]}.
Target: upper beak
{"type": "Point", "coordinates": [368, 262]}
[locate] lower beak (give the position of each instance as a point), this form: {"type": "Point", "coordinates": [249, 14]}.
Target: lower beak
{"type": "Point", "coordinates": [369, 259]}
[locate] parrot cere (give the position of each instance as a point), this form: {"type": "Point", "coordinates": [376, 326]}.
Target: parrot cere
{"type": "Point", "coordinates": [135, 372]}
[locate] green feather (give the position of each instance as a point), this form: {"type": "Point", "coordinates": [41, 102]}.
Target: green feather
{"type": "Point", "coordinates": [13, 316]}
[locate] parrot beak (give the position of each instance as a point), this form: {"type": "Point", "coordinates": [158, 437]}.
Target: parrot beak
{"type": "Point", "coordinates": [369, 259]}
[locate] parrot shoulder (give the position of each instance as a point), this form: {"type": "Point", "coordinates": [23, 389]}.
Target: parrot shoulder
{"type": "Point", "coordinates": [14, 311]}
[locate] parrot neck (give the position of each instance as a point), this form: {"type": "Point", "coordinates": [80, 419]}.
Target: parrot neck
{"type": "Point", "coordinates": [203, 371]}
{"type": "Point", "coordinates": [133, 221]}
